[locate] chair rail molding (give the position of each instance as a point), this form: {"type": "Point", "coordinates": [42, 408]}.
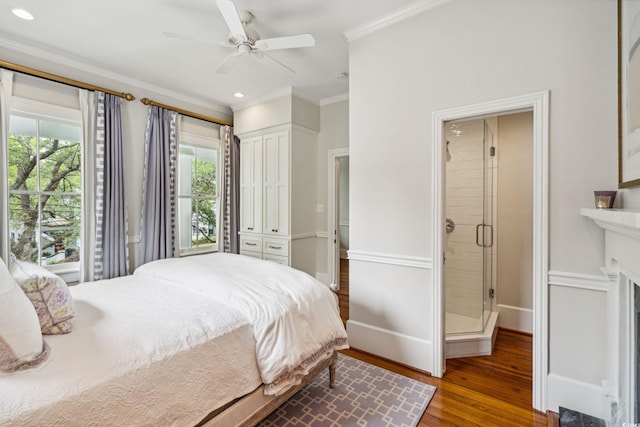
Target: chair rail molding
{"type": "Point", "coordinates": [392, 259]}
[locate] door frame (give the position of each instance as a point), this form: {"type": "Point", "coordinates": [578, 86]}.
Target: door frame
{"type": "Point", "coordinates": [333, 258]}
{"type": "Point", "coordinates": [537, 102]}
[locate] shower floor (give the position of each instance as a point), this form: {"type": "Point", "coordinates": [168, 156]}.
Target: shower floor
{"type": "Point", "coordinates": [457, 323]}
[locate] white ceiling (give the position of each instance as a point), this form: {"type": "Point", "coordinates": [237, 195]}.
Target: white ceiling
{"type": "Point", "coordinates": [125, 38]}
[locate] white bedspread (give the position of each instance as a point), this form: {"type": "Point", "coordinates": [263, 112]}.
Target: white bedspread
{"type": "Point", "coordinates": [142, 352]}
{"type": "Point", "coordinates": [295, 318]}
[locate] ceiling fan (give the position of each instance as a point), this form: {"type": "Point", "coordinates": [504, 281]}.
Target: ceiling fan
{"type": "Point", "coordinates": [247, 42]}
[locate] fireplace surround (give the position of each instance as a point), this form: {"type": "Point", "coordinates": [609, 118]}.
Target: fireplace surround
{"type": "Point", "coordinates": [622, 268]}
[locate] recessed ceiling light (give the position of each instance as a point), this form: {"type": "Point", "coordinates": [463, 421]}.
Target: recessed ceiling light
{"type": "Point", "coordinates": [23, 14]}
{"type": "Point", "coordinates": [239, 95]}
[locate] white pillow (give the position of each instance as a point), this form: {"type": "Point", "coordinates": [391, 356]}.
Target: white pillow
{"type": "Point", "coordinates": [21, 344]}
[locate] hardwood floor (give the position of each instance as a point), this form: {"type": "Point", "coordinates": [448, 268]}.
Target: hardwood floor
{"type": "Point", "coordinates": [343, 293]}
{"type": "Point", "coordinates": [475, 391]}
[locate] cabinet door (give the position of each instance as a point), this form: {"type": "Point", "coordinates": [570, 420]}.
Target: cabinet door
{"type": "Point", "coordinates": [251, 185]}
{"type": "Point", "coordinates": [276, 184]}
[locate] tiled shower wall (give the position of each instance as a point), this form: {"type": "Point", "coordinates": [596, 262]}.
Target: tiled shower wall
{"type": "Point", "coordinates": [464, 205]}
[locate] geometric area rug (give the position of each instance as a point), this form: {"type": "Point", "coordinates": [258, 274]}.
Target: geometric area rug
{"type": "Point", "coordinates": [365, 395]}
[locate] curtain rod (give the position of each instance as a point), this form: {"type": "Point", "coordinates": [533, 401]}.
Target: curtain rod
{"type": "Point", "coordinates": [147, 101]}
{"type": "Point", "coordinates": [60, 79]}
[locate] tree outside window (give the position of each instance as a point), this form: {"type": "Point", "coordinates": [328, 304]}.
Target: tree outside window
{"type": "Point", "coordinates": [197, 198]}
{"type": "Point", "coordinates": [44, 190]}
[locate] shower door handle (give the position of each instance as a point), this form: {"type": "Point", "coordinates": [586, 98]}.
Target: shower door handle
{"type": "Point", "coordinates": [483, 244]}
{"type": "Point", "coordinates": [477, 237]}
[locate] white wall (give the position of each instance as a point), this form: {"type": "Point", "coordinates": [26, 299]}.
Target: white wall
{"type": "Point", "coordinates": [334, 133]}
{"type": "Point", "coordinates": [461, 53]}
{"type": "Point", "coordinates": [514, 294]}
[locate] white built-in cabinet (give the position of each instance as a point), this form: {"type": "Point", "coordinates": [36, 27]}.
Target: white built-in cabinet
{"type": "Point", "coordinates": [277, 195]}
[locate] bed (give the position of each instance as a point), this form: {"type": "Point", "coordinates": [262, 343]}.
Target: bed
{"type": "Point", "coordinates": [217, 339]}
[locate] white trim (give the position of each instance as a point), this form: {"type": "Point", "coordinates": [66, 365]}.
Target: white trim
{"type": "Point", "coordinates": [516, 318]}
{"type": "Point", "coordinates": [539, 103]}
{"type": "Point", "coordinates": [322, 234]}
{"type": "Point", "coordinates": [253, 102]}
{"type": "Point", "coordinates": [134, 239]}
{"type": "Point", "coordinates": [575, 280]}
{"type": "Point", "coordinates": [332, 261]}
{"type": "Point", "coordinates": [394, 17]}
{"type": "Point", "coordinates": [334, 99]}
{"type": "Point", "coordinates": [393, 259]}
{"type": "Point", "coordinates": [389, 344]}
{"type": "Point", "coordinates": [294, 236]}
{"type": "Point", "coordinates": [577, 395]}
{"type": "Point", "coordinates": [67, 61]}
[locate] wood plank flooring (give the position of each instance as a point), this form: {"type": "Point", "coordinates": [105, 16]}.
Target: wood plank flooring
{"type": "Point", "coordinates": [476, 391]}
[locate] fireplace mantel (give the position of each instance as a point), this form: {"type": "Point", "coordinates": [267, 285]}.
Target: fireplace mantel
{"type": "Point", "coordinates": [622, 268]}
{"type": "Point", "coordinates": [621, 221]}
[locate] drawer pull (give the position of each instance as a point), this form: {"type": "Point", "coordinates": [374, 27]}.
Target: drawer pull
{"type": "Point", "coordinates": [275, 247]}
{"type": "Point", "coordinates": [249, 228]}
{"type": "Point", "coordinates": [250, 244]}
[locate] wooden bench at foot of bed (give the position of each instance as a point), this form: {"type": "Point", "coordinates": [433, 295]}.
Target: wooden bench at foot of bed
{"type": "Point", "coordinates": [252, 408]}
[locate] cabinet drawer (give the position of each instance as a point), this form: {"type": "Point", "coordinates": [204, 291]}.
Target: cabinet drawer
{"type": "Point", "coordinates": [276, 258]}
{"type": "Point", "coordinates": [251, 254]}
{"type": "Point", "coordinates": [276, 247]}
{"type": "Point", "coordinates": [251, 243]}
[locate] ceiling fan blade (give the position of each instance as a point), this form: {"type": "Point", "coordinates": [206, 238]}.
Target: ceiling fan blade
{"type": "Point", "coordinates": [232, 18]}
{"type": "Point", "coordinates": [260, 55]}
{"type": "Point", "coordinates": [229, 62]}
{"type": "Point", "coordinates": [288, 42]}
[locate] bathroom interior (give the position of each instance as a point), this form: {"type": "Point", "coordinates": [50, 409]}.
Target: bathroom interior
{"type": "Point", "coordinates": [488, 231]}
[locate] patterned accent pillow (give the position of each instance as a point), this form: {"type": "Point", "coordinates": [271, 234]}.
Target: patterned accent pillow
{"type": "Point", "coordinates": [21, 344]}
{"type": "Point", "coordinates": [48, 293]}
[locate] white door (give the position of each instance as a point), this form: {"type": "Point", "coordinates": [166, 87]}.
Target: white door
{"type": "Point", "coordinates": [251, 185]}
{"type": "Point", "coordinates": [276, 183]}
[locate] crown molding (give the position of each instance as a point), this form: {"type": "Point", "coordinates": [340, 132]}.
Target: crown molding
{"type": "Point", "coordinates": [392, 18]}
{"type": "Point", "coordinates": [286, 91]}
{"type": "Point", "coordinates": [334, 99]}
{"type": "Point", "coordinates": [65, 60]}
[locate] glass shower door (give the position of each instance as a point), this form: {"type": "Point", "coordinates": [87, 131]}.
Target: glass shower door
{"type": "Point", "coordinates": [468, 241]}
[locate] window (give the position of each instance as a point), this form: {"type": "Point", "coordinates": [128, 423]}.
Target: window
{"type": "Point", "coordinates": [45, 178]}
{"type": "Point", "coordinates": [198, 200]}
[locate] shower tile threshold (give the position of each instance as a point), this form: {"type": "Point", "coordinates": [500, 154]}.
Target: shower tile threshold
{"type": "Point", "coordinates": [473, 344]}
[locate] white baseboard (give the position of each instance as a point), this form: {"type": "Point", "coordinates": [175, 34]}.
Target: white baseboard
{"type": "Point", "coordinates": [391, 345]}
{"type": "Point", "coordinates": [516, 318]}
{"type": "Point", "coordinates": [577, 395]}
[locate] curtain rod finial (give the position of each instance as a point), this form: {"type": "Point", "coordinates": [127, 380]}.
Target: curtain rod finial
{"type": "Point", "coordinates": [146, 101]}
{"type": "Point", "coordinates": [129, 97]}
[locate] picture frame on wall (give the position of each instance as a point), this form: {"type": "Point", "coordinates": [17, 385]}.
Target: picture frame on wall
{"type": "Point", "coordinates": [628, 93]}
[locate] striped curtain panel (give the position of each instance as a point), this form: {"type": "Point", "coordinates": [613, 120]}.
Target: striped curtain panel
{"type": "Point", "coordinates": [111, 257]}
{"type": "Point", "coordinates": [231, 195]}
{"type": "Point", "coordinates": [157, 225]}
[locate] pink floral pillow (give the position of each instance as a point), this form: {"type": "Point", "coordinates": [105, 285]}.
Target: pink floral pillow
{"type": "Point", "coordinates": [49, 295]}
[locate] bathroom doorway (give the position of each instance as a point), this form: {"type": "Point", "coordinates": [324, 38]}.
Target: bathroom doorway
{"type": "Point", "coordinates": [338, 218]}
{"type": "Point", "coordinates": [538, 104]}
